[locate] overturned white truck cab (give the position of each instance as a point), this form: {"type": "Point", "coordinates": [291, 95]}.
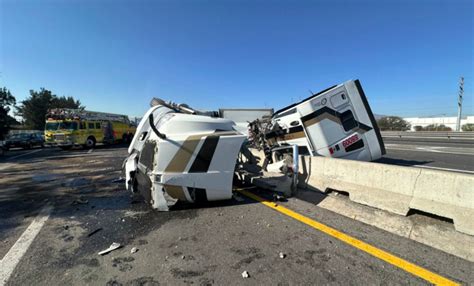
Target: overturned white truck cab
{"type": "Point", "coordinates": [178, 154]}
{"type": "Point", "coordinates": [336, 122]}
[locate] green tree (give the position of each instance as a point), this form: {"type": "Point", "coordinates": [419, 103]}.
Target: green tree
{"type": "Point", "coordinates": [467, 127]}
{"type": "Point", "coordinates": [65, 102]}
{"type": "Point", "coordinates": [34, 109]}
{"type": "Point", "coordinates": [437, 127]}
{"type": "Point", "coordinates": [6, 101]}
{"type": "Point", "coordinates": [393, 123]}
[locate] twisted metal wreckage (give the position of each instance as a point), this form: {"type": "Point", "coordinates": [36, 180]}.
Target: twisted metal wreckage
{"type": "Point", "coordinates": [181, 154]}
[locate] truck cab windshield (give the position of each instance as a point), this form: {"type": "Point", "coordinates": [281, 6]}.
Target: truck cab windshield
{"type": "Point", "coordinates": [52, 126]}
{"type": "Point", "coordinates": [68, 125]}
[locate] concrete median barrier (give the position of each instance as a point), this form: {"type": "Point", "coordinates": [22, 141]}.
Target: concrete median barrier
{"type": "Point", "coordinates": [395, 188]}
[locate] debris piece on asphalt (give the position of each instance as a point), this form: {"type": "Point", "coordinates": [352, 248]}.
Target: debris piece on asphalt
{"type": "Point", "coordinates": [80, 201]}
{"type": "Point", "coordinates": [133, 250]}
{"type": "Point", "coordinates": [245, 274]}
{"type": "Point", "coordinates": [66, 227]}
{"type": "Point", "coordinates": [278, 198]}
{"type": "Point", "coordinates": [238, 198]}
{"type": "Point", "coordinates": [123, 220]}
{"type": "Point", "coordinates": [94, 232]}
{"type": "Point", "coordinates": [119, 180]}
{"type": "Point", "coordinates": [112, 247]}
{"type": "Point", "coordinates": [183, 257]}
{"type": "Point", "coordinates": [282, 255]}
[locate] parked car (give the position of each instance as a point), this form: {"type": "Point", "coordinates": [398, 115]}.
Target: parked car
{"type": "Point", "coordinates": [24, 140]}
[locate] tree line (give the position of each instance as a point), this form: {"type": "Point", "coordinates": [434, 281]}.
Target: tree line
{"type": "Point", "coordinates": [395, 123]}
{"type": "Point", "coordinates": [32, 110]}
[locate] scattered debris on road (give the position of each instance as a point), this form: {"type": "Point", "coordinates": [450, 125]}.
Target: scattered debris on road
{"type": "Point", "coordinates": [94, 232]}
{"type": "Point", "coordinates": [245, 274]}
{"type": "Point", "coordinates": [278, 198]}
{"type": "Point", "coordinates": [80, 201]}
{"type": "Point", "coordinates": [133, 250]}
{"type": "Point", "coordinates": [119, 180]}
{"type": "Point", "coordinates": [282, 255]}
{"type": "Point", "coordinates": [238, 198]}
{"type": "Point", "coordinates": [112, 247]}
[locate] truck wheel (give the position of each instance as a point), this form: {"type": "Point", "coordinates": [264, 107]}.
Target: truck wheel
{"type": "Point", "coordinates": [90, 143]}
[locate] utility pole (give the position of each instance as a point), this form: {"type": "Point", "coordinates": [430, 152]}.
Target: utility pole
{"type": "Point", "coordinates": [461, 91]}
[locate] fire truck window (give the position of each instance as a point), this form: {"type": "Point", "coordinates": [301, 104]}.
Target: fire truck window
{"type": "Point", "coordinates": [91, 125]}
{"type": "Point", "coordinates": [348, 121]}
{"type": "Point", "coordinates": [83, 125]}
{"type": "Point", "coordinates": [97, 125]}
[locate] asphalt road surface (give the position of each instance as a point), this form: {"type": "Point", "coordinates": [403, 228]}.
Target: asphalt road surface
{"type": "Point", "coordinates": [58, 209]}
{"type": "Point", "coordinates": [438, 154]}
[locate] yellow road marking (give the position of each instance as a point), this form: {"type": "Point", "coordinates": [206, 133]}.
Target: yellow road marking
{"type": "Point", "coordinates": [372, 250]}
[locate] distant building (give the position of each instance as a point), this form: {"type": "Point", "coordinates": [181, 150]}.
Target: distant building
{"type": "Point", "coordinates": [447, 121]}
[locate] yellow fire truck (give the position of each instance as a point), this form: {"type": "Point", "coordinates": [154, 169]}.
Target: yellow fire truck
{"type": "Point", "coordinates": [76, 127]}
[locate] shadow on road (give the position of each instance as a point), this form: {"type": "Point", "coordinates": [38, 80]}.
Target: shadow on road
{"type": "Point", "coordinates": [401, 162]}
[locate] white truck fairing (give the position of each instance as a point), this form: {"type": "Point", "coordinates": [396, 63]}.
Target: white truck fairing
{"type": "Point", "coordinates": [187, 157]}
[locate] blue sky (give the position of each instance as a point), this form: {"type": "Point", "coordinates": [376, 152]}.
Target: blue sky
{"type": "Point", "coordinates": [116, 55]}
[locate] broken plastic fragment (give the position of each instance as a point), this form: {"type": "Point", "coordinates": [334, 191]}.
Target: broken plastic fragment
{"type": "Point", "coordinates": [278, 198]}
{"type": "Point", "coordinates": [112, 247]}
{"type": "Point", "coordinates": [245, 274]}
{"type": "Point", "coordinates": [94, 232]}
{"type": "Point", "coordinates": [119, 180]}
{"type": "Point", "coordinates": [80, 201]}
{"type": "Point", "coordinates": [133, 250]}
{"type": "Point", "coordinates": [282, 255]}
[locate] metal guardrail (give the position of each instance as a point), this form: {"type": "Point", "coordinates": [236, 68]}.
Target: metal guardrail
{"type": "Point", "coordinates": [429, 134]}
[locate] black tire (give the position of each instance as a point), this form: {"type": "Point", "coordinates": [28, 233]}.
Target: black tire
{"type": "Point", "coordinates": [90, 143]}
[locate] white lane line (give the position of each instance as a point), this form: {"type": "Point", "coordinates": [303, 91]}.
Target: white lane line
{"type": "Point", "coordinates": [440, 138]}
{"type": "Point", "coordinates": [444, 169]}
{"type": "Point", "coordinates": [428, 150]}
{"type": "Point", "coordinates": [14, 255]}
{"type": "Point", "coordinates": [21, 155]}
